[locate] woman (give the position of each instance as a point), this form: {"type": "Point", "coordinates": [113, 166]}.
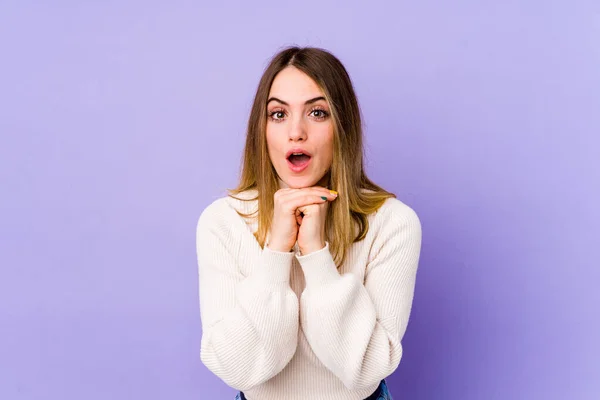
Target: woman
{"type": "Point", "coordinates": [306, 293]}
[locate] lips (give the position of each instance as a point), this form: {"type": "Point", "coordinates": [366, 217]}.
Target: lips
{"type": "Point", "coordinates": [297, 150]}
{"type": "Point", "coordinates": [298, 159]}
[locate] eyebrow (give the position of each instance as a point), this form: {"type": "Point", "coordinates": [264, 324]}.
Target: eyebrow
{"type": "Point", "coordinates": [306, 102]}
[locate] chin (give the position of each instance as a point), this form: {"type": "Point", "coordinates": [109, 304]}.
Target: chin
{"type": "Point", "coordinates": [298, 183]}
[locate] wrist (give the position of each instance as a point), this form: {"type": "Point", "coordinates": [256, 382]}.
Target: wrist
{"type": "Point", "coordinates": [311, 248]}
{"type": "Point", "coordinates": [274, 246]}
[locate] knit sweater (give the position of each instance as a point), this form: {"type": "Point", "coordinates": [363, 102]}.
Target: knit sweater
{"type": "Point", "coordinates": [285, 325]}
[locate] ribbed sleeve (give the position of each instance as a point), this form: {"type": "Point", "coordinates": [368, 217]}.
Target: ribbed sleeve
{"type": "Point", "coordinates": [356, 330]}
{"type": "Point", "coordinates": [249, 324]}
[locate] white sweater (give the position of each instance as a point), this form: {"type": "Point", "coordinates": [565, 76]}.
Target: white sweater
{"type": "Point", "coordinates": [280, 325]}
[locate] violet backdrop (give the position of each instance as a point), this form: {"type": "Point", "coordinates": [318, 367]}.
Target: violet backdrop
{"type": "Point", "coordinates": [121, 121]}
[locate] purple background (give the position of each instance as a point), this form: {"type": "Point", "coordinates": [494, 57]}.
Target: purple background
{"type": "Point", "coordinates": [120, 122]}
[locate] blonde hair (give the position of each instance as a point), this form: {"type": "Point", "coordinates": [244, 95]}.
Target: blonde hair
{"type": "Point", "coordinates": [358, 195]}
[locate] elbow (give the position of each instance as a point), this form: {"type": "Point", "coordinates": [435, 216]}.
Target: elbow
{"type": "Point", "coordinates": [245, 370]}
{"type": "Point", "coordinates": [356, 385]}
{"type": "Point", "coordinates": [371, 375]}
{"type": "Point", "coordinates": [360, 385]}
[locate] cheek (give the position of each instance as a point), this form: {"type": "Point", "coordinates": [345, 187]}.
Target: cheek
{"type": "Point", "coordinates": [328, 159]}
{"type": "Point", "coordinates": [325, 157]}
{"type": "Point", "coordinates": [273, 145]}
{"type": "Point", "coordinates": [327, 145]}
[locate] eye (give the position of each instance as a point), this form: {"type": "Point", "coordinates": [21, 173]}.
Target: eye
{"type": "Point", "coordinates": [319, 113]}
{"type": "Point", "coordinates": [276, 115]}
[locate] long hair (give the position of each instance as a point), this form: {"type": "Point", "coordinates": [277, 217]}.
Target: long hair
{"type": "Point", "coordinates": [346, 221]}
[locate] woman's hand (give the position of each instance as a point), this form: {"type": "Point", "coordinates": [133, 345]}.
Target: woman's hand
{"type": "Point", "coordinates": [287, 217]}
{"type": "Point", "coordinates": [311, 234]}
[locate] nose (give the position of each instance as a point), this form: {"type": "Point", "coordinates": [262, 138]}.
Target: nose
{"type": "Point", "coordinates": [297, 129]}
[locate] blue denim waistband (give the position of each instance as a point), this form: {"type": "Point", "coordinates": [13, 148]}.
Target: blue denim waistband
{"type": "Point", "coordinates": [381, 393]}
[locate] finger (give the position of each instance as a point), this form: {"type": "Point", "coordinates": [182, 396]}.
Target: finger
{"type": "Point", "coordinates": [320, 189]}
{"type": "Point", "coordinates": [287, 194]}
{"type": "Point", "coordinates": [298, 217]}
{"type": "Point", "coordinates": [292, 204]}
{"type": "Point", "coordinates": [299, 196]}
{"type": "Point", "coordinates": [300, 214]}
{"type": "Point", "coordinates": [313, 209]}
{"type": "Point", "coordinates": [281, 193]}
{"type": "Point", "coordinates": [314, 191]}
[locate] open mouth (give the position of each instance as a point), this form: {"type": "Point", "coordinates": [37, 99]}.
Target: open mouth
{"type": "Point", "coordinates": [298, 161]}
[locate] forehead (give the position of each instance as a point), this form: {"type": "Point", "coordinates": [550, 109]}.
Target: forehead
{"type": "Point", "coordinates": [292, 85]}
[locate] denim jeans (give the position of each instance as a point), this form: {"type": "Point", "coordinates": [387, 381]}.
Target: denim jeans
{"type": "Point", "coordinates": [382, 393]}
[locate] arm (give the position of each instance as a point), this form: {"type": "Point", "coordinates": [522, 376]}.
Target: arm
{"type": "Point", "coordinates": [249, 324]}
{"type": "Point", "coordinates": [356, 330]}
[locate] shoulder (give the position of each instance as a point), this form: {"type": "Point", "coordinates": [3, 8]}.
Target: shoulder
{"type": "Point", "coordinates": [395, 231]}
{"type": "Point", "coordinates": [216, 213]}
{"type": "Point", "coordinates": [223, 211]}
{"type": "Point", "coordinates": [395, 215]}
{"type": "Point", "coordinates": [396, 207]}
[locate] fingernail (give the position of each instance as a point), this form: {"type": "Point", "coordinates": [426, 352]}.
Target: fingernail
{"type": "Point", "coordinates": [333, 192]}
{"type": "Point", "coordinates": [324, 198]}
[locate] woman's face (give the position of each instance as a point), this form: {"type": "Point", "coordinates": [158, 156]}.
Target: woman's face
{"type": "Point", "coordinates": [299, 120]}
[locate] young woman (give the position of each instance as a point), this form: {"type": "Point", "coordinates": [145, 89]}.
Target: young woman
{"type": "Point", "coordinates": [307, 269]}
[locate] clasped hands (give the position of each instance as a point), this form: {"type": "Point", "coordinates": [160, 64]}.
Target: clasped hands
{"type": "Point", "coordinates": [299, 215]}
